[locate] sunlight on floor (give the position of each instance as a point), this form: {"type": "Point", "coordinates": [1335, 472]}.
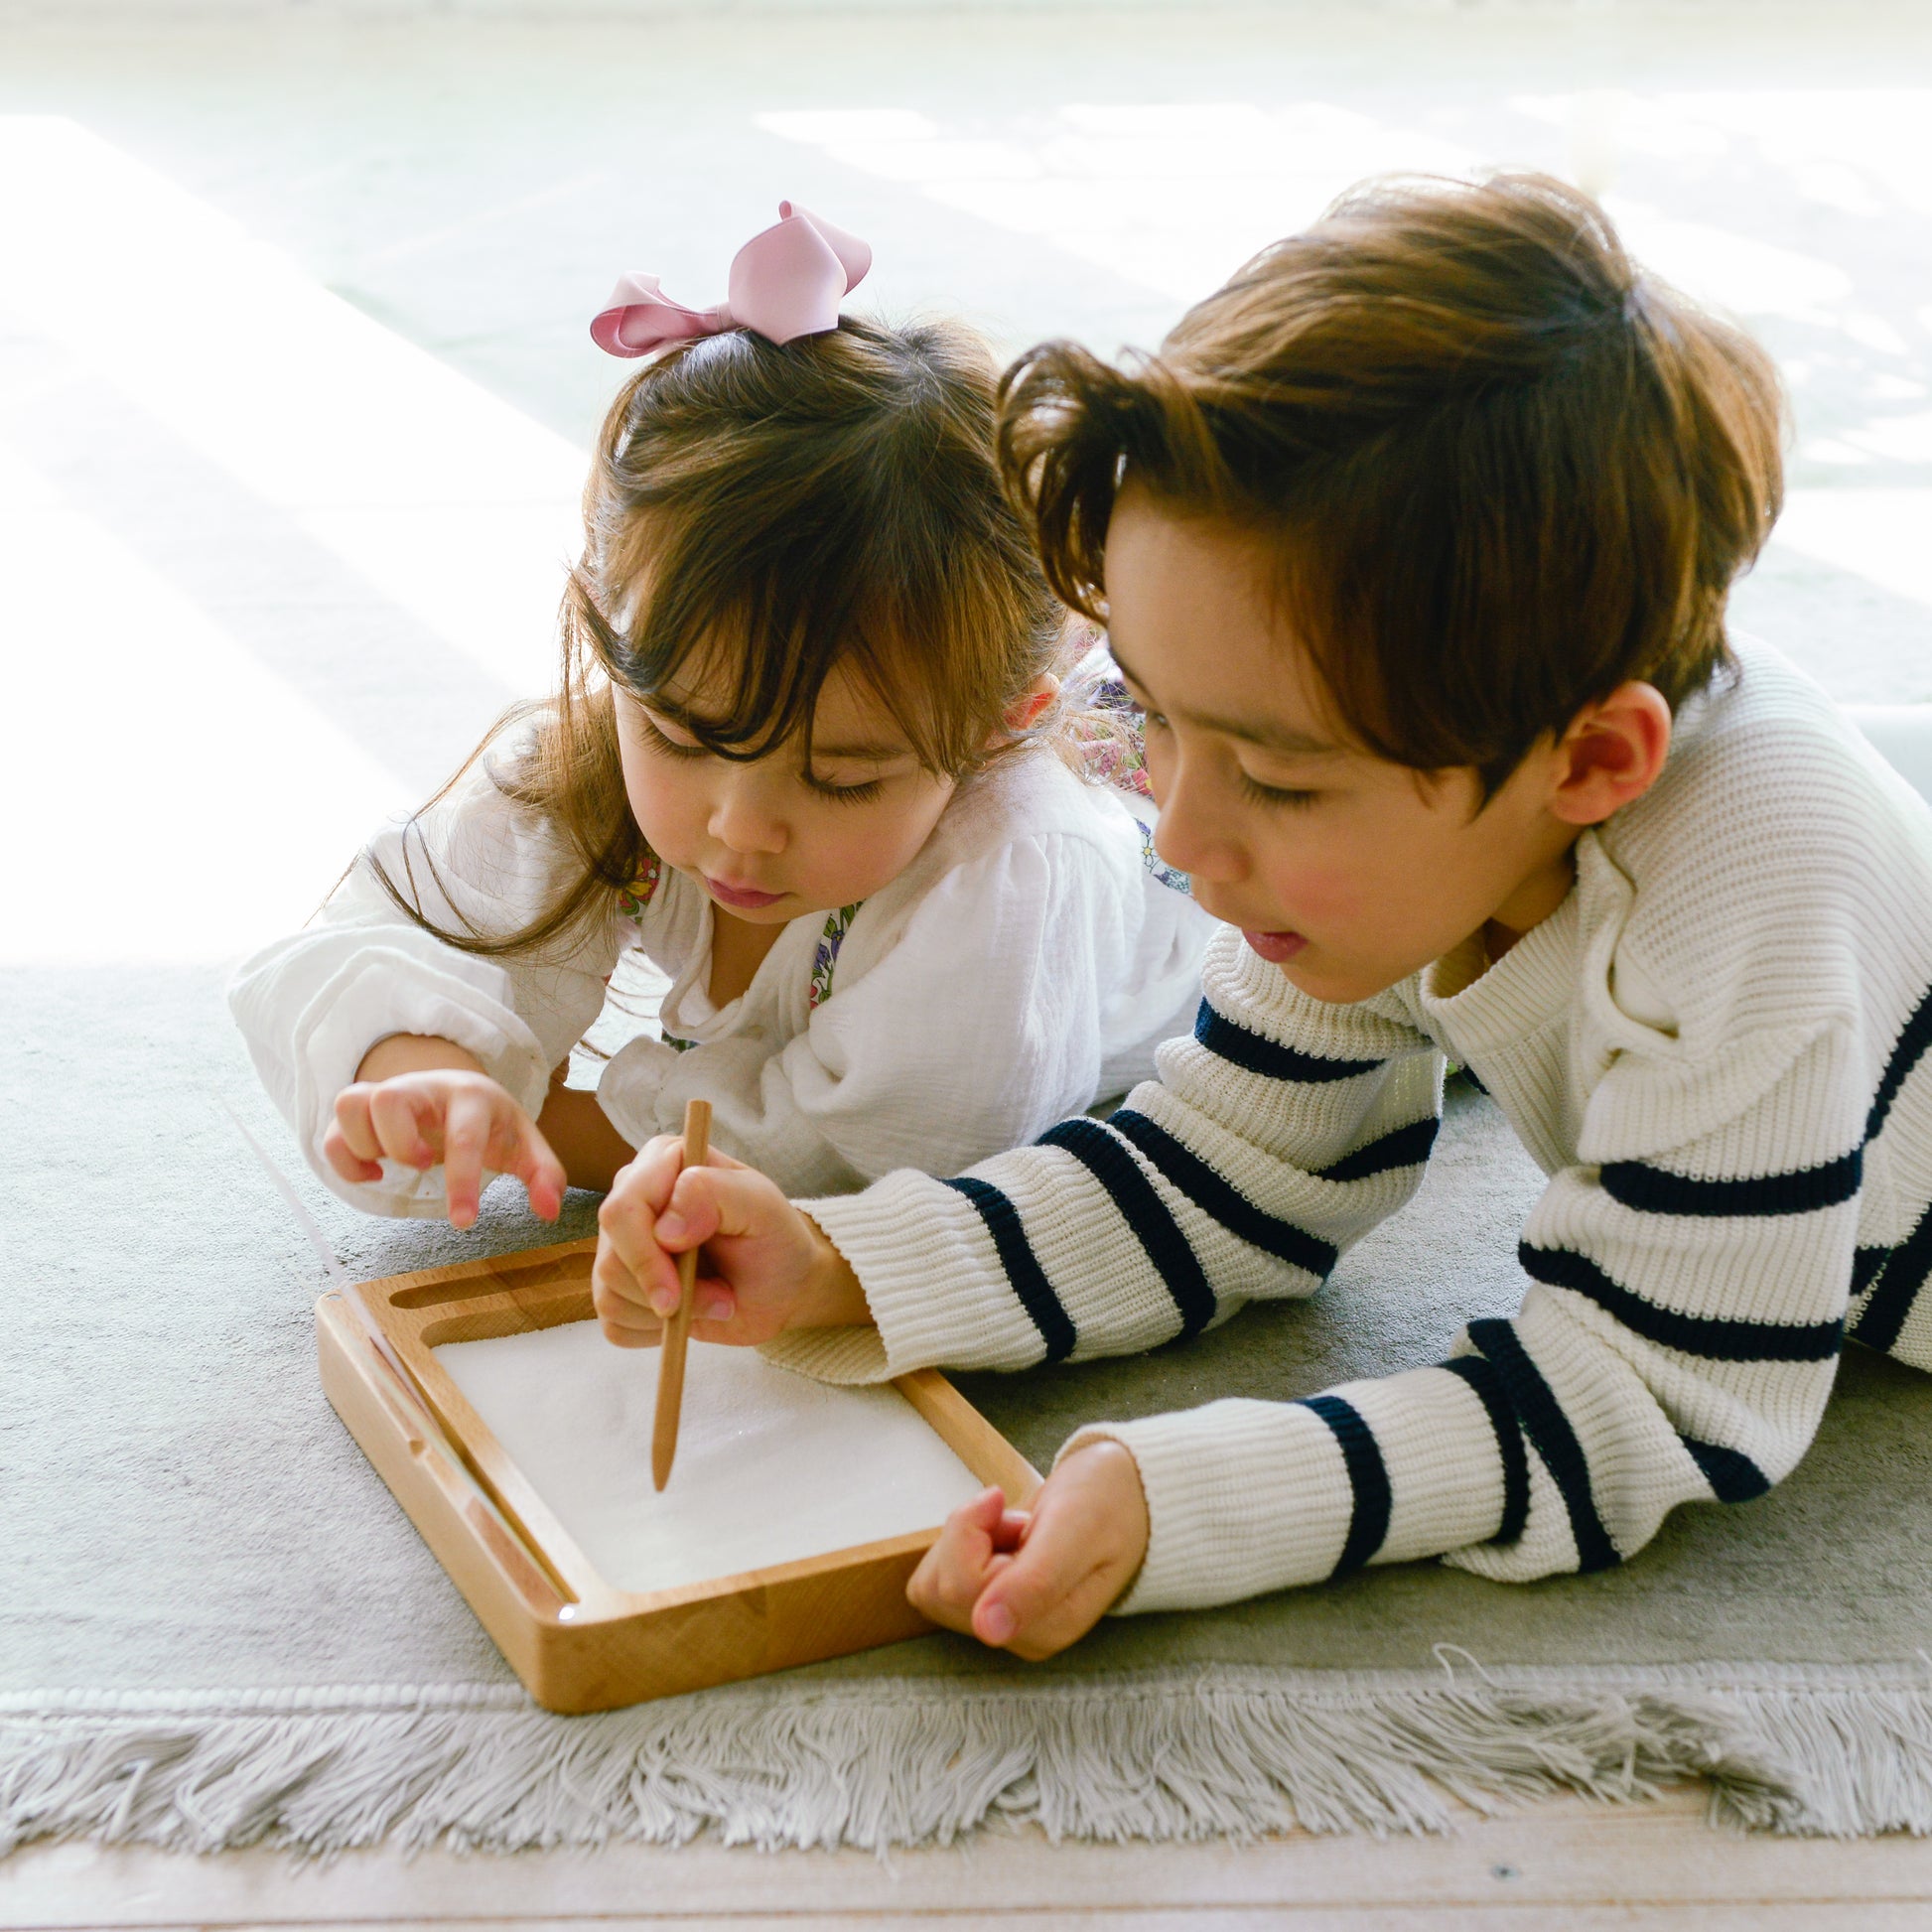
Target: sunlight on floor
{"type": "Point", "coordinates": [1170, 197]}
{"type": "Point", "coordinates": [217, 801]}
{"type": "Point", "coordinates": [201, 804]}
{"type": "Point", "coordinates": [352, 474]}
{"type": "Point", "coordinates": [1174, 197]}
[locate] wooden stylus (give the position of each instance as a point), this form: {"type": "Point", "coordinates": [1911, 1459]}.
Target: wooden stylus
{"type": "Point", "coordinates": [677, 1331]}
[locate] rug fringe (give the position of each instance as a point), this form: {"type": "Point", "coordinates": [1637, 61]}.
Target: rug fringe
{"type": "Point", "coordinates": [1213, 1753]}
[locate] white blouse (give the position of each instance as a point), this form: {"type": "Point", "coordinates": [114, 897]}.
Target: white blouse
{"type": "Point", "coordinates": [1026, 964]}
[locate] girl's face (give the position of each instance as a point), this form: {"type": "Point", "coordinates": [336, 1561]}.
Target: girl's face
{"type": "Point", "coordinates": [1347, 870]}
{"type": "Point", "coordinates": [773, 838]}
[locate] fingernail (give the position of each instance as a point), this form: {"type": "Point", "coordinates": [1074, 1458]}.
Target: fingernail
{"type": "Point", "coordinates": [718, 1308]}
{"type": "Point", "coordinates": [998, 1624]}
{"type": "Point", "coordinates": [670, 1227]}
{"type": "Point", "coordinates": [664, 1301]}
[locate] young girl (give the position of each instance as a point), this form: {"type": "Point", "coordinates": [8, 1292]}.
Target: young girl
{"type": "Point", "coordinates": [1415, 543]}
{"type": "Point", "coordinates": [808, 753]}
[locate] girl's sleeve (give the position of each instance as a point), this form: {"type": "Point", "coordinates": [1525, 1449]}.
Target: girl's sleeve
{"type": "Point", "coordinates": [979, 1027]}
{"type": "Point", "coordinates": [311, 1005]}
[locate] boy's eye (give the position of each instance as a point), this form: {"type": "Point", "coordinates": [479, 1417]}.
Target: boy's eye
{"type": "Point", "coordinates": [1274, 797]}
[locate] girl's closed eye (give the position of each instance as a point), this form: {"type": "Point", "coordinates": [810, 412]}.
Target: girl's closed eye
{"type": "Point", "coordinates": [657, 735]}
{"type": "Point", "coordinates": [861, 793]}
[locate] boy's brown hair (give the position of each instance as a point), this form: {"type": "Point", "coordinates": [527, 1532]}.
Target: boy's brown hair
{"type": "Point", "coordinates": [1501, 468]}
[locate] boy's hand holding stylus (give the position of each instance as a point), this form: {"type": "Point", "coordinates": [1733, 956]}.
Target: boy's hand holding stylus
{"type": "Point", "coordinates": [1026, 1581]}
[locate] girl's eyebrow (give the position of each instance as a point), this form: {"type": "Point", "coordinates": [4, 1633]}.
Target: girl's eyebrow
{"type": "Point", "coordinates": [863, 753]}
{"type": "Point", "coordinates": [1250, 731]}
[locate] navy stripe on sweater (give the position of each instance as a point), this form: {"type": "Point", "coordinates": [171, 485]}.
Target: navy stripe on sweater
{"type": "Point", "coordinates": [1023, 1269]}
{"type": "Point", "coordinates": [1899, 1277]}
{"type": "Point", "coordinates": [1913, 1038]}
{"type": "Point", "coordinates": [1406, 1147]}
{"type": "Point", "coordinates": [1548, 1429]}
{"type": "Point", "coordinates": [1867, 1264]}
{"type": "Point", "coordinates": [1368, 1481]}
{"type": "Point", "coordinates": [1733, 1477]}
{"type": "Point", "coordinates": [1803, 1190]}
{"type": "Point", "coordinates": [1107, 1158]}
{"type": "Point", "coordinates": [1257, 1053]}
{"type": "Point", "coordinates": [1714, 1338]}
{"type": "Point", "coordinates": [1481, 1374]}
{"type": "Point", "coordinates": [1221, 1199]}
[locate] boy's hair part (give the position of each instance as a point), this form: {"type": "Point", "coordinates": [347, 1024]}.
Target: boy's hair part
{"type": "Point", "coordinates": [1497, 469]}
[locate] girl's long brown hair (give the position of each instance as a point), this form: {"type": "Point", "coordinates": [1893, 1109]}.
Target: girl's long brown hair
{"type": "Point", "coordinates": [755, 515]}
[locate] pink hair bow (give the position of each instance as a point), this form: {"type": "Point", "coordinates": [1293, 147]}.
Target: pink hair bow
{"type": "Point", "coordinates": [786, 282]}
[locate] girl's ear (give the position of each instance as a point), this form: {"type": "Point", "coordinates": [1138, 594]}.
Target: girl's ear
{"type": "Point", "coordinates": [1612, 753]}
{"type": "Point", "coordinates": [1024, 712]}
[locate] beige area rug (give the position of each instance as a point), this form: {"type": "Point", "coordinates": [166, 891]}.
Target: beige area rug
{"type": "Point", "coordinates": [217, 1628]}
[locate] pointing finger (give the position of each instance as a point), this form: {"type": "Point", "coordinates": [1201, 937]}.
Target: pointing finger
{"type": "Point", "coordinates": [466, 1135]}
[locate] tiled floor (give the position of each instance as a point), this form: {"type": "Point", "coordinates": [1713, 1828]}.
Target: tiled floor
{"type": "Point", "coordinates": [293, 389]}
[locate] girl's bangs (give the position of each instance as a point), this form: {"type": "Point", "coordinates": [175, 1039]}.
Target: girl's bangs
{"type": "Point", "coordinates": [694, 663]}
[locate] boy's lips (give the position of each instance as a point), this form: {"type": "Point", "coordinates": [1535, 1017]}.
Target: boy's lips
{"type": "Point", "coordinates": [749, 898]}
{"type": "Point", "coordinates": [1275, 948]}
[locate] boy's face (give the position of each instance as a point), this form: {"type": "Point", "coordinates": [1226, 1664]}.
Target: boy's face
{"type": "Point", "coordinates": [1347, 870]}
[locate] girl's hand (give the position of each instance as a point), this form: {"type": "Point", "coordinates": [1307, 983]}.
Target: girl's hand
{"type": "Point", "coordinates": [462, 1118]}
{"type": "Point", "coordinates": [764, 1265]}
{"type": "Point", "coordinates": [1033, 1582]}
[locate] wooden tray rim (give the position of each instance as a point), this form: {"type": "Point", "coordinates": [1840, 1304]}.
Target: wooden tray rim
{"type": "Point", "coordinates": [586, 1597]}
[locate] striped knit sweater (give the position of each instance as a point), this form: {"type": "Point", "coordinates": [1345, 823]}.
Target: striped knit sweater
{"type": "Point", "coordinates": [1715, 1049]}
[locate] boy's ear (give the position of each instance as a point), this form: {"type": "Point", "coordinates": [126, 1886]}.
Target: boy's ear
{"type": "Point", "coordinates": [1024, 710]}
{"type": "Point", "coordinates": [1612, 753]}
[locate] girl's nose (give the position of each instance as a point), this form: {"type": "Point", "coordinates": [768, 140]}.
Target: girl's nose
{"type": "Point", "coordinates": [743, 820]}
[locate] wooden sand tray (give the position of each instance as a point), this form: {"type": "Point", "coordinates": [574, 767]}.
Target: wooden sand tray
{"type": "Point", "coordinates": [577, 1643]}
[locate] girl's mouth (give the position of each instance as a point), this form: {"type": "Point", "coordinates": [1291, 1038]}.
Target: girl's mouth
{"type": "Point", "coordinates": [1275, 948]}
{"type": "Point", "coordinates": [744, 898]}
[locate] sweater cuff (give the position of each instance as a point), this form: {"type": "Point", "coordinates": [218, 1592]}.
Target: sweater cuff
{"type": "Point", "coordinates": [1250, 1496]}
{"type": "Point", "coordinates": [1241, 1497]}
{"type": "Point", "coordinates": [930, 1276]}
{"type": "Point", "coordinates": [843, 1355]}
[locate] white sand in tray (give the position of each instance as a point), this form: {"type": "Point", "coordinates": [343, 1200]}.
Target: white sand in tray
{"type": "Point", "coordinates": [771, 1465]}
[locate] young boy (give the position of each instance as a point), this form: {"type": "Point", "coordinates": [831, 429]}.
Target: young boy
{"type": "Point", "coordinates": [1415, 544]}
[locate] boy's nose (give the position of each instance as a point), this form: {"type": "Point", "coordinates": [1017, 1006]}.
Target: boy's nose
{"type": "Point", "coordinates": [1190, 834]}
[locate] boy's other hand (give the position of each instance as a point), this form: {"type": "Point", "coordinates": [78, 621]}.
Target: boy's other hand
{"type": "Point", "coordinates": [453, 1115]}
{"type": "Point", "coordinates": [1031, 1581]}
{"type": "Point", "coordinates": [764, 1265]}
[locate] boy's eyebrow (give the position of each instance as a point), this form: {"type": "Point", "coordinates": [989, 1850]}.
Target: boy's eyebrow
{"type": "Point", "coordinates": [1292, 744]}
